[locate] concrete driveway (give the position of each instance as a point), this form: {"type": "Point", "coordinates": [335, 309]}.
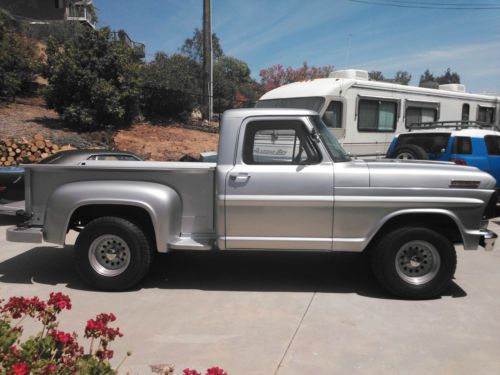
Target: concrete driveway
{"type": "Point", "coordinates": [277, 313]}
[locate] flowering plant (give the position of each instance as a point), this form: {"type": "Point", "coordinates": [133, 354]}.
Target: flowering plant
{"type": "Point", "coordinates": [52, 351]}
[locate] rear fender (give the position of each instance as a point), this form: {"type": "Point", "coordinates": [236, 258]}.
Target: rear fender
{"type": "Point", "coordinates": [161, 202]}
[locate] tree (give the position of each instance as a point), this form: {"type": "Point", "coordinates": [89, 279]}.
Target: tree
{"type": "Point", "coordinates": [193, 47]}
{"type": "Point", "coordinates": [276, 75]}
{"type": "Point", "coordinates": [18, 58]}
{"type": "Point", "coordinates": [376, 75]}
{"type": "Point", "coordinates": [429, 80]}
{"type": "Point", "coordinates": [92, 82]}
{"type": "Point", "coordinates": [448, 77]}
{"type": "Point", "coordinates": [233, 86]}
{"type": "Point", "coordinates": [171, 86]}
{"type": "Point", "coordinates": [402, 77]}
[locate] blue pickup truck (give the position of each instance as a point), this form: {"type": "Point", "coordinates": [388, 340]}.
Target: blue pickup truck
{"type": "Point", "coordinates": [473, 144]}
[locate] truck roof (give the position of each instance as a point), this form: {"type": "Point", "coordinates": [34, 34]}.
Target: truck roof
{"type": "Point", "coordinates": [246, 112]}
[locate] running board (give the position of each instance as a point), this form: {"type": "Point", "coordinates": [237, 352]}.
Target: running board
{"type": "Point", "coordinates": [189, 243]}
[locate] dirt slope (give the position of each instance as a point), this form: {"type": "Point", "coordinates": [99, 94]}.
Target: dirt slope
{"type": "Point", "coordinates": [165, 142]}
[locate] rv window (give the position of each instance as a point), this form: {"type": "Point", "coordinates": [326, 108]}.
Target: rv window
{"type": "Point", "coordinates": [415, 115]}
{"type": "Point", "coordinates": [492, 144]}
{"type": "Point", "coordinates": [486, 114]}
{"type": "Point", "coordinates": [312, 103]}
{"type": "Point", "coordinates": [333, 115]}
{"type": "Point", "coordinates": [278, 142]}
{"type": "Point", "coordinates": [465, 112]}
{"type": "Point", "coordinates": [377, 116]}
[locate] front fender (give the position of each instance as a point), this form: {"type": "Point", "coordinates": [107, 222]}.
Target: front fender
{"type": "Point", "coordinates": [162, 203]}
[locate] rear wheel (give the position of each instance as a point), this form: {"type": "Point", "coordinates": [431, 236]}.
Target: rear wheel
{"type": "Point", "coordinates": [414, 262]}
{"type": "Point", "coordinates": [411, 152]}
{"type": "Point", "coordinates": [112, 254]}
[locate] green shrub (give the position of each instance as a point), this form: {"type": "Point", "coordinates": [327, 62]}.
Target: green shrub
{"type": "Point", "coordinates": [93, 82]}
{"type": "Point", "coordinates": [18, 59]}
{"type": "Point", "coordinates": [171, 86]}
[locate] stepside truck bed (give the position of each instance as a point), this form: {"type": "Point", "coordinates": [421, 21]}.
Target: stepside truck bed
{"type": "Point", "coordinates": [194, 182]}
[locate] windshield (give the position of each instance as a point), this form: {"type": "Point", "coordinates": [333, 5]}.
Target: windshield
{"type": "Point", "coordinates": [332, 145]}
{"type": "Point", "coordinates": [312, 103]}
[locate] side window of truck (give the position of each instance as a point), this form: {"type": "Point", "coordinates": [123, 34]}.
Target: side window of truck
{"type": "Point", "coordinates": [333, 115]}
{"type": "Point", "coordinates": [492, 144]}
{"type": "Point", "coordinates": [278, 142]}
{"type": "Point", "coordinates": [377, 116]}
{"type": "Point", "coordinates": [462, 145]}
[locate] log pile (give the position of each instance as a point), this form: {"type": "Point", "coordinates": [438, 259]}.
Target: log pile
{"type": "Point", "coordinates": [23, 150]}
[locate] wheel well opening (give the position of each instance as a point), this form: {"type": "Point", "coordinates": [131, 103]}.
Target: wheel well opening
{"type": "Point", "coordinates": [137, 215]}
{"type": "Point", "coordinates": [440, 222]}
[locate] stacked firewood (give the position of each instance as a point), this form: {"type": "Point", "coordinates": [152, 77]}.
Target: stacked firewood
{"type": "Point", "coordinates": [23, 150]}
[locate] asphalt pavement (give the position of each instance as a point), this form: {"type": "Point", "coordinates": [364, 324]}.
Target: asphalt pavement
{"type": "Point", "coordinates": [277, 313]}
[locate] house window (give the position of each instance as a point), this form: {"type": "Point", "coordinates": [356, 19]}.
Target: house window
{"type": "Point", "coordinates": [278, 143]}
{"type": "Point", "coordinates": [377, 116]}
{"type": "Point", "coordinates": [333, 115]}
{"type": "Point", "coordinates": [417, 115]}
{"type": "Point", "coordinates": [465, 112]}
{"type": "Point", "coordinates": [486, 114]}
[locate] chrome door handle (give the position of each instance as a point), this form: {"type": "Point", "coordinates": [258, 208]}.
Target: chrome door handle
{"type": "Point", "coordinates": [239, 177]}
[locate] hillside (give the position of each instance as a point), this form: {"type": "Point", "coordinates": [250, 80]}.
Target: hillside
{"type": "Point", "coordinates": [161, 141]}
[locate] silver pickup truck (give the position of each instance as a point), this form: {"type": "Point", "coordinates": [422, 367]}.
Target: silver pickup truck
{"type": "Point", "coordinates": [281, 182]}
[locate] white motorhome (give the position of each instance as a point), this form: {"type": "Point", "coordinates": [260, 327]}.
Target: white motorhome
{"type": "Point", "coordinates": [365, 115]}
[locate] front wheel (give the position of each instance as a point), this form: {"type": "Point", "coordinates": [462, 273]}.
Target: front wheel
{"type": "Point", "coordinates": [414, 262]}
{"type": "Point", "coordinates": [112, 254]}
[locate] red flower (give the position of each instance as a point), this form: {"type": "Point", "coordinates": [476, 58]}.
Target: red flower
{"type": "Point", "coordinates": [98, 327]}
{"type": "Point", "coordinates": [14, 350]}
{"type": "Point", "coordinates": [17, 307]}
{"type": "Point", "coordinates": [187, 371]}
{"type": "Point", "coordinates": [59, 301]}
{"type": "Point", "coordinates": [215, 371]}
{"type": "Point", "coordinates": [62, 337]}
{"type": "Point", "coordinates": [104, 354]}
{"type": "Point", "coordinates": [49, 369]}
{"type": "Point", "coordinates": [20, 369]}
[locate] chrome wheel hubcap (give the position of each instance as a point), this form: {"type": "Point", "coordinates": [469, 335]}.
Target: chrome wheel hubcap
{"type": "Point", "coordinates": [109, 255]}
{"type": "Point", "coordinates": [417, 262]}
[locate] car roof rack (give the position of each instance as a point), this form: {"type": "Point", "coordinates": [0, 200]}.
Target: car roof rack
{"type": "Point", "coordinates": [451, 125]}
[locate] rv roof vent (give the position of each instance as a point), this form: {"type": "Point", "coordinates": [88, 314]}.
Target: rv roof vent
{"type": "Point", "coordinates": [453, 87]}
{"type": "Point", "coordinates": [350, 73]}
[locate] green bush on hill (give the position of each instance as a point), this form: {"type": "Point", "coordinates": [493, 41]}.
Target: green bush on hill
{"type": "Point", "coordinates": [170, 86]}
{"type": "Point", "coordinates": [18, 59]}
{"type": "Point", "coordinates": [93, 83]}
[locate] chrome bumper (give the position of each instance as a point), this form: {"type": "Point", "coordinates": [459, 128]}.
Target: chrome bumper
{"type": "Point", "coordinates": [487, 239]}
{"type": "Point", "coordinates": [26, 235]}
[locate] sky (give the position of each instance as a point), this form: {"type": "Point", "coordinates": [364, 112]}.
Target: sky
{"type": "Point", "coordinates": [341, 33]}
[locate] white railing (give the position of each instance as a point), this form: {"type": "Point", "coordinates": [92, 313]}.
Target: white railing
{"type": "Point", "coordinates": [81, 13]}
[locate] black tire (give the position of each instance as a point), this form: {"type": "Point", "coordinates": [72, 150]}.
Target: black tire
{"type": "Point", "coordinates": [140, 254]}
{"type": "Point", "coordinates": [412, 152]}
{"type": "Point", "coordinates": [392, 276]}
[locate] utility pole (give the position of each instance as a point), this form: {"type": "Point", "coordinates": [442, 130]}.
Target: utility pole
{"type": "Point", "coordinates": [208, 70]}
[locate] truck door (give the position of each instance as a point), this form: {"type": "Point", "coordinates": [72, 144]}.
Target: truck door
{"type": "Point", "coordinates": [279, 194]}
